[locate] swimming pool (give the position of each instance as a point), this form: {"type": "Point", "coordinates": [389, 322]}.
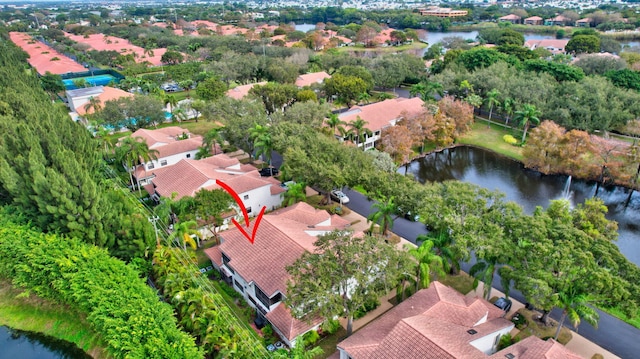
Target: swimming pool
{"type": "Point", "coordinates": [96, 80]}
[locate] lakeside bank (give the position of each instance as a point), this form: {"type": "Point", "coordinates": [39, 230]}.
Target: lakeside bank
{"type": "Point", "coordinates": [25, 311]}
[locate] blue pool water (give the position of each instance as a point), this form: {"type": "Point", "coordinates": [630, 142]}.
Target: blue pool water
{"type": "Point", "coordinates": [97, 80]}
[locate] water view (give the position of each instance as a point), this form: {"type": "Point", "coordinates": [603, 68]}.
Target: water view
{"type": "Point", "coordinates": [16, 344]}
{"type": "Point", "coordinates": [530, 188]}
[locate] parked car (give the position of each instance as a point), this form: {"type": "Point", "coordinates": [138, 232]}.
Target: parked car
{"type": "Point", "coordinates": [504, 304]}
{"type": "Point", "coordinates": [339, 196]}
{"type": "Point", "coordinates": [268, 171]}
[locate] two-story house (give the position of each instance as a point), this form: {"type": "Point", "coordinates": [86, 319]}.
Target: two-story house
{"type": "Point", "coordinates": [382, 114]}
{"type": "Point", "coordinates": [187, 177]}
{"type": "Point", "coordinates": [258, 270]}
{"type": "Point", "coordinates": [172, 143]}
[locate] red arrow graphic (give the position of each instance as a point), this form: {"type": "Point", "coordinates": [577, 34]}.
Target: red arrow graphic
{"type": "Point", "coordinates": [236, 197]}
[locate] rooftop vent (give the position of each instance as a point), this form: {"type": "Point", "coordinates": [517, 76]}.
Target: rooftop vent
{"type": "Point", "coordinates": [509, 356]}
{"type": "Point", "coordinates": [472, 331]}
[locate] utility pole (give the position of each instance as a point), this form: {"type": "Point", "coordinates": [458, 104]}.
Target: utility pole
{"type": "Point", "coordinates": [153, 220]}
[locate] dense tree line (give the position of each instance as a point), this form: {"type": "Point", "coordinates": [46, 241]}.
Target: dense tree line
{"type": "Point", "coordinates": [118, 304]}
{"type": "Point", "coordinates": [560, 92]}
{"type": "Point", "coordinates": [52, 170]}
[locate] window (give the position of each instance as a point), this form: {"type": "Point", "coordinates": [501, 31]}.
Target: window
{"type": "Point", "coordinates": [150, 166]}
{"type": "Point", "coordinates": [248, 209]}
{"type": "Point", "coordinates": [163, 163]}
{"type": "Point", "coordinates": [377, 133]}
{"type": "Point", "coordinates": [237, 284]}
{"type": "Point", "coordinates": [246, 196]}
{"type": "Point", "coordinates": [188, 155]}
{"type": "Point", "coordinates": [262, 297]}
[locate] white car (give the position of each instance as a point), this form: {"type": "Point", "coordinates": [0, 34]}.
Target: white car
{"type": "Point", "coordinates": [339, 196]}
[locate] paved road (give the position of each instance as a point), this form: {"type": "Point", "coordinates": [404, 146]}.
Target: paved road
{"type": "Point", "coordinates": [613, 334]}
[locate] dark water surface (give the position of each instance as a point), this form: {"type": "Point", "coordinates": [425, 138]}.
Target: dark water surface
{"type": "Point", "coordinates": [530, 188]}
{"type": "Point", "coordinates": [16, 344]}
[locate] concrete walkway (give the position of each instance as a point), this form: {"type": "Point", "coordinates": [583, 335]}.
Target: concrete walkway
{"type": "Point", "coordinates": [578, 344]}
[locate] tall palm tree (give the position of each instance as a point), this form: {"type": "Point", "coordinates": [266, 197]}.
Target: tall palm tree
{"type": "Point", "coordinates": [171, 101]}
{"type": "Point", "coordinates": [484, 271]}
{"type": "Point", "coordinates": [182, 232]}
{"type": "Point", "coordinates": [508, 106]}
{"type": "Point", "coordinates": [427, 90]}
{"type": "Point", "coordinates": [364, 97]}
{"type": "Point", "coordinates": [575, 306]}
{"type": "Point", "coordinates": [382, 214]}
{"type": "Point", "coordinates": [335, 123]}
{"type": "Point", "coordinates": [492, 100]}
{"type": "Point", "coordinates": [134, 151]}
{"type": "Point", "coordinates": [94, 103]}
{"type": "Point", "coordinates": [428, 263]}
{"type": "Point", "coordinates": [257, 133]}
{"type": "Point", "coordinates": [358, 126]}
{"type": "Point", "coordinates": [211, 138]}
{"type": "Point", "coordinates": [528, 115]}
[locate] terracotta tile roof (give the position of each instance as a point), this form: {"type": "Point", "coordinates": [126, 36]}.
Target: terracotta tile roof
{"type": "Point", "coordinates": [535, 348]}
{"type": "Point", "coordinates": [240, 92]}
{"type": "Point", "coordinates": [533, 18]}
{"type": "Point", "coordinates": [383, 114]}
{"type": "Point", "coordinates": [436, 318]}
{"type": "Point", "coordinates": [510, 17]}
{"type": "Point", "coordinates": [188, 176]}
{"type": "Point", "coordinates": [41, 56]}
{"type": "Point", "coordinates": [108, 94]}
{"type": "Point", "coordinates": [312, 78]}
{"type": "Point", "coordinates": [101, 42]}
{"type": "Point", "coordinates": [281, 239]}
{"type": "Point", "coordinates": [288, 325]}
{"type": "Point", "coordinates": [214, 254]}
{"type": "Point", "coordinates": [160, 136]}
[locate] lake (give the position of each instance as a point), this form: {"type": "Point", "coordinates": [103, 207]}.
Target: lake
{"type": "Point", "coordinates": [16, 344]}
{"type": "Point", "coordinates": [530, 188]}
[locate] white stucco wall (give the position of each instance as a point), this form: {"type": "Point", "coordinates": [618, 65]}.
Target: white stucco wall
{"type": "Point", "coordinates": [488, 344]}
{"type": "Point", "coordinates": [258, 197]}
{"type": "Point", "coordinates": [171, 160]}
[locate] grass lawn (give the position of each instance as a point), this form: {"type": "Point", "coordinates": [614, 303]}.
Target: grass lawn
{"type": "Point", "coordinates": [329, 343]}
{"type": "Point", "coordinates": [462, 282]}
{"type": "Point", "coordinates": [416, 45]}
{"type": "Point", "coordinates": [42, 316]}
{"type": "Point", "coordinates": [201, 257]}
{"type": "Point", "coordinates": [197, 128]}
{"type": "Point", "coordinates": [535, 327]}
{"type": "Point", "coordinates": [491, 138]}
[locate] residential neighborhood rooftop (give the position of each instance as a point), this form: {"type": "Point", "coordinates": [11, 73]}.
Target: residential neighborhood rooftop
{"type": "Point", "coordinates": [44, 58]}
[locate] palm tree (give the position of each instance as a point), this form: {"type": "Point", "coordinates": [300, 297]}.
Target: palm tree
{"type": "Point", "coordinates": [364, 97]}
{"type": "Point", "coordinates": [182, 232]}
{"type": "Point", "coordinates": [383, 215]}
{"type": "Point", "coordinates": [484, 271]}
{"type": "Point", "coordinates": [262, 142]}
{"type": "Point", "coordinates": [427, 263]}
{"type": "Point", "coordinates": [492, 99]}
{"type": "Point", "coordinates": [576, 305]}
{"type": "Point", "coordinates": [134, 151]}
{"type": "Point", "coordinates": [295, 193]}
{"type": "Point", "coordinates": [507, 106]}
{"type": "Point", "coordinates": [528, 115]}
{"type": "Point", "coordinates": [211, 138]}
{"type": "Point", "coordinates": [418, 89]}
{"type": "Point", "coordinates": [443, 247]}
{"type": "Point", "coordinates": [358, 127]}
{"type": "Point", "coordinates": [335, 123]}
{"type": "Point", "coordinates": [171, 101]}
{"type": "Point", "coordinates": [94, 103]}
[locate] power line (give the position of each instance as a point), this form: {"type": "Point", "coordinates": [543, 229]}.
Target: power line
{"type": "Point", "coordinates": [230, 316]}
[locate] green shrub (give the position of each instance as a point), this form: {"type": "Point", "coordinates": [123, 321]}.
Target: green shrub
{"type": "Point", "coordinates": [519, 320]}
{"type": "Point", "coordinates": [310, 338]}
{"type": "Point", "coordinates": [506, 341]}
{"type": "Point", "coordinates": [509, 139]}
{"type": "Point", "coordinates": [331, 326]}
{"type": "Point", "coordinates": [119, 305]}
{"type": "Point", "coordinates": [368, 306]}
